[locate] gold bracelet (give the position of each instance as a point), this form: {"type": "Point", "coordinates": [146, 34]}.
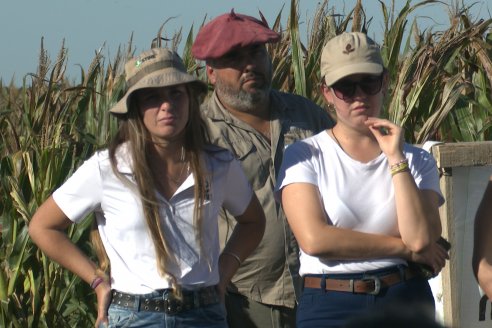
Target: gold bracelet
{"type": "Point", "coordinates": [401, 166]}
{"type": "Point", "coordinates": [400, 169]}
{"type": "Point", "coordinates": [393, 173]}
{"type": "Point", "coordinates": [238, 259]}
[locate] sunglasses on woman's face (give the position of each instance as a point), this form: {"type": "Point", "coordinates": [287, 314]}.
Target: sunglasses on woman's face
{"type": "Point", "coordinates": [345, 89]}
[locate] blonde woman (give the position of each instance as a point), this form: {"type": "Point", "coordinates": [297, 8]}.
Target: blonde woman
{"type": "Point", "coordinates": [156, 193]}
{"type": "Point", "coordinates": [360, 201]}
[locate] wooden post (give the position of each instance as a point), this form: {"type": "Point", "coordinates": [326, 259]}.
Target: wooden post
{"type": "Point", "coordinates": [449, 156]}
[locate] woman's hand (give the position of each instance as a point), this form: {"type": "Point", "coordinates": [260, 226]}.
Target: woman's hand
{"type": "Point", "coordinates": [389, 137]}
{"type": "Point", "coordinates": [103, 294]}
{"type": "Point", "coordinates": [434, 256]}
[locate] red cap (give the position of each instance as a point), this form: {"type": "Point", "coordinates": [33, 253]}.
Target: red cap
{"type": "Point", "coordinates": [231, 31]}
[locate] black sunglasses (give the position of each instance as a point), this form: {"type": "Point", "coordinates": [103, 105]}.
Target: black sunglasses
{"type": "Point", "coordinates": [370, 85]}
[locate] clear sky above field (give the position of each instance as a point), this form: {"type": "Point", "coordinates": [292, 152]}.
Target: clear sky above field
{"type": "Point", "coordinates": [89, 25]}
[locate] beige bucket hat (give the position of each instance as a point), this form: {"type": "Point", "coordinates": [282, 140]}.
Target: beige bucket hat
{"type": "Point", "coordinates": [350, 53]}
{"type": "Point", "coordinates": [154, 68]}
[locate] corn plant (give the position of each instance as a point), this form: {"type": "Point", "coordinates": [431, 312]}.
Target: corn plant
{"type": "Point", "coordinates": [45, 136]}
{"type": "Point", "coordinates": [441, 88]}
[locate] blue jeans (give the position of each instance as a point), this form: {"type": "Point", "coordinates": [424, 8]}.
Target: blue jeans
{"type": "Point", "coordinates": [320, 308]}
{"type": "Point", "coordinates": [207, 316]}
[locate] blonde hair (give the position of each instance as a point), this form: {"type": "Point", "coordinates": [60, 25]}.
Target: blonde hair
{"type": "Point", "coordinates": [98, 247]}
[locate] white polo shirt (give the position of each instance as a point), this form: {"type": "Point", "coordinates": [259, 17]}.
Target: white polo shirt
{"type": "Point", "coordinates": [124, 231]}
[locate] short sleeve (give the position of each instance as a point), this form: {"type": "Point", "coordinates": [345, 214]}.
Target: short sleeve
{"type": "Point", "coordinates": [297, 167]}
{"type": "Point", "coordinates": [425, 173]}
{"type": "Point", "coordinates": [81, 193]}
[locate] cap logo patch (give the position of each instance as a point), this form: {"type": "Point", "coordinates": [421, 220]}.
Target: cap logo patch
{"type": "Point", "coordinates": [348, 49]}
{"type": "Point", "coordinates": [141, 61]}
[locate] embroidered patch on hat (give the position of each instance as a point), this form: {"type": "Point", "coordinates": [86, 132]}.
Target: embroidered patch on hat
{"type": "Point", "coordinates": [139, 62]}
{"type": "Point", "coordinates": [348, 49]}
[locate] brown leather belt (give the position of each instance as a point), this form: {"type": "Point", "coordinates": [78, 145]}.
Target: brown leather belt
{"type": "Point", "coordinates": [167, 303]}
{"type": "Point", "coordinates": [369, 284]}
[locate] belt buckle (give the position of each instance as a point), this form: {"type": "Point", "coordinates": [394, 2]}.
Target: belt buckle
{"type": "Point", "coordinates": [377, 283]}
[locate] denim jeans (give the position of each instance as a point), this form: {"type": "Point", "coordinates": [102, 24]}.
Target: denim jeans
{"type": "Point", "coordinates": [320, 308]}
{"type": "Point", "coordinates": [207, 316]}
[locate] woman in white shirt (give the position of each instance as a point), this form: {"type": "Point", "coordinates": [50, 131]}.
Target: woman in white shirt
{"type": "Point", "coordinates": [156, 193]}
{"type": "Point", "coordinates": [361, 202]}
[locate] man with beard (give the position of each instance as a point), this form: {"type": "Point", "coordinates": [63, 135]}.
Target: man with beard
{"type": "Point", "coordinates": [245, 115]}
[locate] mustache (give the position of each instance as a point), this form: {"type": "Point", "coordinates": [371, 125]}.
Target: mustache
{"type": "Point", "coordinates": [251, 76]}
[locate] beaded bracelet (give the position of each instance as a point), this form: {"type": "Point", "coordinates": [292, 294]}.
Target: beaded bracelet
{"type": "Point", "coordinates": [96, 282]}
{"type": "Point", "coordinates": [234, 256]}
{"type": "Point", "coordinates": [405, 160]}
{"type": "Point", "coordinates": [401, 166]}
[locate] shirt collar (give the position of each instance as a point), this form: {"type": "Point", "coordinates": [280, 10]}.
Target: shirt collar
{"type": "Point", "coordinates": [124, 159]}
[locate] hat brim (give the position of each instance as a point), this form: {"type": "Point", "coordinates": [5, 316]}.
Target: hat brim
{"type": "Point", "coordinates": [162, 78]}
{"type": "Point", "coordinates": [344, 71]}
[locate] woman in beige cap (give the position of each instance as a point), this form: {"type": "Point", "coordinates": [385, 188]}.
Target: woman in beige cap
{"type": "Point", "coordinates": [156, 193]}
{"type": "Point", "coordinates": [359, 200]}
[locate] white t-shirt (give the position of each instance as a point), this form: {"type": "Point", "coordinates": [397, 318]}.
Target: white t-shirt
{"type": "Point", "coordinates": [124, 231]}
{"type": "Point", "coordinates": [355, 195]}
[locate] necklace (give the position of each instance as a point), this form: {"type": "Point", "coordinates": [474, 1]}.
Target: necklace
{"type": "Point", "coordinates": [336, 140]}
{"type": "Point", "coordinates": [184, 163]}
{"type": "Point", "coordinates": [178, 180]}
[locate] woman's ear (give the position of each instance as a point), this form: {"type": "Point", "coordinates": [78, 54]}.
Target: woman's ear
{"type": "Point", "coordinates": [327, 94]}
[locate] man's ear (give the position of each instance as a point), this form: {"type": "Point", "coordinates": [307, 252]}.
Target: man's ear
{"type": "Point", "coordinates": [211, 74]}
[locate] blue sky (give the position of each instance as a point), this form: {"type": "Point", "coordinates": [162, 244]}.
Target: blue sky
{"type": "Point", "coordinates": [89, 25]}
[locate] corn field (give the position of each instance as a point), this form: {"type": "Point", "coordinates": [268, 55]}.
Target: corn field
{"type": "Point", "coordinates": [440, 89]}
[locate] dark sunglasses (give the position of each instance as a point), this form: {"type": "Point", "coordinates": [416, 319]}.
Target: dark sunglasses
{"type": "Point", "coordinates": [370, 85]}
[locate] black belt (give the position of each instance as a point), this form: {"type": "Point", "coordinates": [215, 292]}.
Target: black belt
{"type": "Point", "coordinates": [168, 302]}
{"type": "Point", "coordinates": [369, 284]}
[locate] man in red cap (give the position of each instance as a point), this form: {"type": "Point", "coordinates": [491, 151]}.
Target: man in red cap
{"type": "Point", "coordinates": [256, 123]}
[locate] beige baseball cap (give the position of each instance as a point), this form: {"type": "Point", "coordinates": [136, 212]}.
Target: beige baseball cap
{"type": "Point", "coordinates": [154, 68]}
{"type": "Point", "coordinates": [350, 53]}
